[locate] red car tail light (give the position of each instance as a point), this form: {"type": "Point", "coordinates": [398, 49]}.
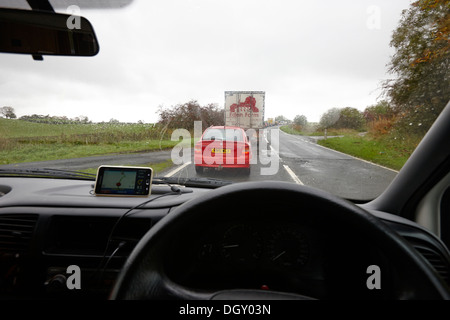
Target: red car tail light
{"type": "Point", "coordinates": [246, 150]}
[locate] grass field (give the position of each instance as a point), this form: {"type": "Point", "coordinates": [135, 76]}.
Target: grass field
{"type": "Point", "coordinates": [23, 141]}
{"type": "Point", "coordinates": [385, 152]}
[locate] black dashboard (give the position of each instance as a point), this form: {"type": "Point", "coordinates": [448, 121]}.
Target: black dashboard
{"type": "Point", "coordinates": [286, 256]}
{"type": "Point", "coordinates": [47, 225]}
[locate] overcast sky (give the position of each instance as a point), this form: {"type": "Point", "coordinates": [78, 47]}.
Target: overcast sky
{"type": "Point", "coordinates": [308, 56]}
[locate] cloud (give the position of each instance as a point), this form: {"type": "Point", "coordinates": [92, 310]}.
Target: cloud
{"type": "Point", "coordinates": [308, 56]}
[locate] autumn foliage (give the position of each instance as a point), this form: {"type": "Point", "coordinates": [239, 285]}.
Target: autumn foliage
{"type": "Point", "coordinates": [183, 116]}
{"type": "Point", "coordinates": [421, 65]}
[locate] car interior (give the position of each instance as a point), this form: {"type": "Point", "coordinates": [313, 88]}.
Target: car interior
{"type": "Point", "coordinates": [201, 239]}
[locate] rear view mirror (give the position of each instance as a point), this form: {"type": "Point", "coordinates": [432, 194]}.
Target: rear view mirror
{"type": "Point", "coordinates": [46, 33]}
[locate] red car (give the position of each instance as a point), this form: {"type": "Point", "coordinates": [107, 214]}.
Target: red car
{"type": "Point", "coordinates": [223, 147]}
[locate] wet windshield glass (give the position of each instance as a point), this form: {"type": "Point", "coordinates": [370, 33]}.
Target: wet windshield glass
{"type": "Point", "coordinates": [335, 95]}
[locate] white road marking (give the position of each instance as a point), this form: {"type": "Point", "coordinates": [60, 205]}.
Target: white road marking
{"type": "Point", "coordinates": [171, 173]}
{"type": "Point", "coordinates": [293, 175]}
{"type": "Point", "coordinates": [273, 151]}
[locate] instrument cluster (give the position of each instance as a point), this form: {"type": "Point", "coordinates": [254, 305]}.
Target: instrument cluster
{"type": "Point", "coordinates": [253, 245]}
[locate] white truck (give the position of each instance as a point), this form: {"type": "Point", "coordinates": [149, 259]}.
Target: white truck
{"type": "Point", "coordinates": [245, 109]}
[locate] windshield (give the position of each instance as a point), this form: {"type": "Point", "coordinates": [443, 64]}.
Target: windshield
{"type": "Point", "coordinates": [335, 95]}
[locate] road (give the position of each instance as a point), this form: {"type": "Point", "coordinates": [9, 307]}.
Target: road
{"type": "Point", "coordinates": [96, 161]}
{"type": "Point", "coordinates": [301, 160]}
{"type": "Point", "coordinates": [281, 156]}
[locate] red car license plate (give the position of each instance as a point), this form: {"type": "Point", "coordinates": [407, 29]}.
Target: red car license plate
{"type": "Point", "coordinates": [215, 150]}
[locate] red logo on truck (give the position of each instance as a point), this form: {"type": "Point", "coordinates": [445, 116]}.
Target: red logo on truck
{"type": "Point", "coordinates": [249, 103]}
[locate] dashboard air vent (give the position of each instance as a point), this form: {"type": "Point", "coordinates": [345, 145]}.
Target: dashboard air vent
{"type": "Point", "coordinates": [16, 231]}
{"type": "Point", "coordinates": [431, 249]}
{"type": "Point", "coordinates": [435, 259]}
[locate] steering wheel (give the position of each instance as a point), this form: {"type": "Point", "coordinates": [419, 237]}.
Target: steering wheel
{"type": "Point", "coordinates": [408, 275]}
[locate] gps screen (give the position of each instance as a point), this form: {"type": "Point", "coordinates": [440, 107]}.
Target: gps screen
{"type": "Point", "coordinates": [115, 180]}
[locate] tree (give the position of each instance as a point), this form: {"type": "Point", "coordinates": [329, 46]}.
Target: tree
{"type": "Point", "coordinates": [344, 118]}
{"type": "Point", "coordinates": [184, 115]}
{"type": "Point", "coordinates": [381, 110]}
{"type": "Point", "coordinates": [380, 118]}
{"type": "Point", "coordinates": [281, 118]}
{"type": "Point", "coordinates": [421, 64]}
{"type": "Point", "coordinates": [300, 121]}
{"type": "Point", "coordinates": [329, 118]}
{"type": "Point", "coordinates": [84, 119]}
{"type": "Point", "coordinates": [349, 118]}
{"type": "Point", "coordinates": [8, 112]}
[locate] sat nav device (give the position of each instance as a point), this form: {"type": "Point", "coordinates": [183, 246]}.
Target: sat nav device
{"type": "Point", "coordinates": [123, 181]}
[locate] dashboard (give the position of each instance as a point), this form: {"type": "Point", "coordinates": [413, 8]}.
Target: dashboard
{"type": "Point", "coordinates": [281, 255]}
{"type": "Point", "coordinates": [48, 225]}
